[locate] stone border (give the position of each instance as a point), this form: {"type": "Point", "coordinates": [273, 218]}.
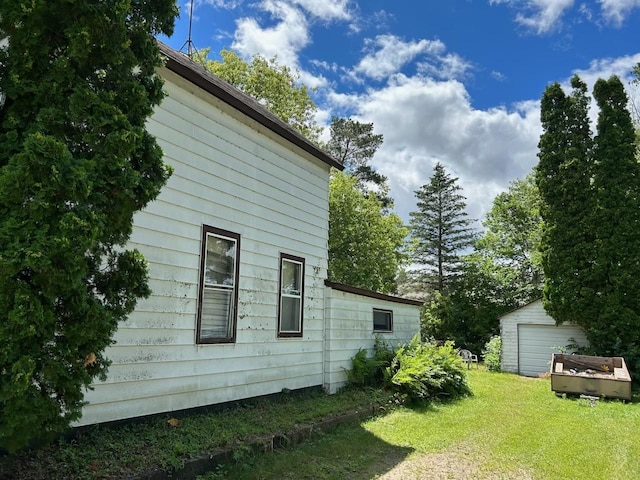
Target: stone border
{"type": "Point", "coordinates": [260, 445]}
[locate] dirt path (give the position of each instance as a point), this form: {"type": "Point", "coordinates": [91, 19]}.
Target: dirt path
{"type": "Point", "coordinates": [454, 465]}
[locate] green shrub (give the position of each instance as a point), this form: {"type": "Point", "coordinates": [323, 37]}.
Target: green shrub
{"type": "Point", "coordinates": [492, 354]}
{"type": "Point", "coordinates": [424, 370]}
{"type": "Point", "coordinates": [369, 371]}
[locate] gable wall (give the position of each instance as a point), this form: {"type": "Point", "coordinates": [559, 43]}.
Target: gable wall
{"type": "Point", "coordinates": [233, 174]}
{"type": "Point", "coordinates": [531, 314]}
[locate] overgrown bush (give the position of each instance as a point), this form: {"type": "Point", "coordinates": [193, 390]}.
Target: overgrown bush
{"type": "Point", "coordinates": [492, 354]}
{"type": "Point", "coordinates": [423, 371]}
{"type": "Point", "coordinates": [369, 371]}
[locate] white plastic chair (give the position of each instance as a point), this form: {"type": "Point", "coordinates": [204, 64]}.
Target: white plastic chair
{"type": "Point", "coordinates": [468, 357]}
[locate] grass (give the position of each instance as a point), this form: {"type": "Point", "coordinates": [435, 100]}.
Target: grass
{"type": "Point", "coordinates": [512, 427]}
{"type": "Point", "coordinates": [132, 449]}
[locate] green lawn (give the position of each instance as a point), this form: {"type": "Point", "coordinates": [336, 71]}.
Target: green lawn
{"type": "Point", "coordinates": [512, 427]}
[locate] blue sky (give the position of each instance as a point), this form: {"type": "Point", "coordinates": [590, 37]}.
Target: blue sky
{"type": "Point", "coordinates": [450, 81]}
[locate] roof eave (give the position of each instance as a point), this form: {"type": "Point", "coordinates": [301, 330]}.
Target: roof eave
{"type": "Point", "coordinates": [183, 66]}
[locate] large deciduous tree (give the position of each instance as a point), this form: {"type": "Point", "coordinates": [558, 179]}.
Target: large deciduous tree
{"type": "Point", "coordinates": [468, 312]}
{"type": "Point", "coordinates": [591, 208]}
{"type": "Point", "coordinates": [440, 230]}
{"type": "Point", "coordinates": [78, 81]}
{"type": "Point", "coordinates": [277, 87]}
{"type": "Point", "coordinates": [366, 244]}
{"type": "Point", "coordinates": [509, 250]}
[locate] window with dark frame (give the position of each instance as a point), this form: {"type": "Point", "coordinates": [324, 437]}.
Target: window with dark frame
{"type": "Point", "coordinates": [218, 298]}
{"type": "Point", "coordinates": [290, 303]}
{"type": "Point", "coordinates": [382, 320]}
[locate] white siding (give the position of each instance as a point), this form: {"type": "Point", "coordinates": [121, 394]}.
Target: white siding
{"type": "Point", "coordinates": [232, 174]}
{"type": "Point", "coordinates": [529, 336]}
{"type": "Point", "coordinates": [349, 327]}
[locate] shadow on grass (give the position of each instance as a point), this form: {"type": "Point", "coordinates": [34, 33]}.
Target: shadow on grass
{"type": "Point", "coordinates": [348, 451]}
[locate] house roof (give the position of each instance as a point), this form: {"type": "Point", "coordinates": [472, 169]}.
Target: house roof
{"type": "Point", "coordinates": [520, 307]}
{"type": "Point", "coordinates": [183, 66]}
{"type": "Point", "coordinates": [368, 293]}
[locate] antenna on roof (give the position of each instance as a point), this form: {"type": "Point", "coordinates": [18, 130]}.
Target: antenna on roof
{"type": "Point", "coordinates": [191, 49]}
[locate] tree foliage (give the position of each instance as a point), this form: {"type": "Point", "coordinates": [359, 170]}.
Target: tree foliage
{"type": "Point", "coordinates": [366, 244]}
{"type": "Point", "coordinates": [354, 144]}
{"type": "Point", "coordinates": [440, 229]}
{"type": "Point", "coordinates": [79, 82]}
{"type": "Point", "coordinates": [275, 86]}
{"type": "Point", "coordinates": [468, 311]}
{"type": "Point", "coordinates": [591, 208]}
{"type": "Point", "coordinates": [510, 246]}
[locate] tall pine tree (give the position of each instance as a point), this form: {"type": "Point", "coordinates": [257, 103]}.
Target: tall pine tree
{"type": "Point", "coordinates": [78, 81]}
{"type": "Point", "coordinates": [440, 230]}
{"type": "Point", "coordinates": [354, 144]}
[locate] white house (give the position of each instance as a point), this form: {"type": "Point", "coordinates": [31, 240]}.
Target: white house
{"type": "Point", "coordinates": [529, 338]}
{"type": "Point", "coordinates": [237, 251]}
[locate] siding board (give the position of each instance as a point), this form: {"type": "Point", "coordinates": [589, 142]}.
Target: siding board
{"type": "Point", "coordinates": [231, 176]}
{"type": "Point", "coordinates": [349, 320]}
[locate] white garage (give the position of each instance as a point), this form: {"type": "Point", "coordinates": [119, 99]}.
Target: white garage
{"type": "Point", "coordinates": [530, 336]}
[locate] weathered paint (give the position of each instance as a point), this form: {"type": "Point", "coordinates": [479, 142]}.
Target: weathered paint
{"type": "Point", "coordinates": [350, 328]}
{"type": "Point", "coordinates": [233, 173]}
{"type": "Point", "coordinates": [229, 172]}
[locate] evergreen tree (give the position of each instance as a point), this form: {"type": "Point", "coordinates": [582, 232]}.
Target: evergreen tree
{"type": "Point", "coordinates": [591, 209]}
{"type": "Point", "coordinates": [354, 144]}
{"type": "Point", "coordinates": [440, 230]}
{"type": "Point", "coordinates": [79, 82]}
{"type": "Point", "coordinates": [613, 323]}
{"type": "Point", "coordinates": [564, 176]}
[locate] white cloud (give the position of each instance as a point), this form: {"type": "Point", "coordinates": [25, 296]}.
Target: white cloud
{"type": "Point", "coordinates": [387, 54]}
{"type": "Point", "coordinates": [499, 76]}
{"type": "Point", "coordinates": [283, 40]}
{"type": "Point", "coordinates": [326, 9]}
{"type": "Point", "coordinates": [226, 4]}
{"type": "Point", "coordinates": [605, 68]}
{"type": "Point", "coordinates": [616, 11]}
{"type": "Point", "coordinates": [425, 121]}
{"type": "Point", "coordinates": [289, 34]}
{"type": "Point", "coordinates": [450, 66]}
{"type": "Point", "coordinates": [539, 16]}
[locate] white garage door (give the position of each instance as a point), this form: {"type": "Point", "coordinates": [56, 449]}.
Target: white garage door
{"type": "Point", "coordinates": [536, 343]}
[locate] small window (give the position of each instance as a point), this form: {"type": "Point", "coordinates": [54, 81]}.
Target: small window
{"type": "Point", "coordinates": [218, 297]}
{"type": "Point", "coordinates": [382, 320]}
{"type": "Point", "coordinates": [290, 305]}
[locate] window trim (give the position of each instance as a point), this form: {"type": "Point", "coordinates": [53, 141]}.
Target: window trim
{"type": "Point", "coordinates": [301, 261]}
{"type": "Point", "coordinates": [208, 230]}
{"type": "Point", "coordinates": [383, 310]}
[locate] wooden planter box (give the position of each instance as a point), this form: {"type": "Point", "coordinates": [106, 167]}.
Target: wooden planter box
{"type": "Point", "coordinates": [596, 376]}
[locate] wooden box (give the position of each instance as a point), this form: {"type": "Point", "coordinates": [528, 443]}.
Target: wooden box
{"type": "Point", "coordinates": [597, 376]}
